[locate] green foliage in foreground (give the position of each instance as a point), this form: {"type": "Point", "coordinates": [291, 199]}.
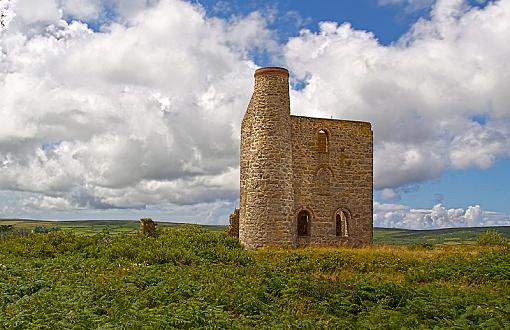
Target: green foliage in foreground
{"type": "Point", "coordinates": [189, 277]}
{"type": "Point", "coordinates": [492, 237]}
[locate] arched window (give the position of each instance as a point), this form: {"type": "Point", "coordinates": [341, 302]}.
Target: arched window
{"type": "Point", "coordinates": [342, 219]}
{"type": "Point", "coordinates": [303, 223]}
{"type": "Point", "coordinates": [323, 141]}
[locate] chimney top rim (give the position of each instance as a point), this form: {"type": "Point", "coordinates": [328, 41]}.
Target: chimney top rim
{"type": "Point", "coordinates": [271, 69]}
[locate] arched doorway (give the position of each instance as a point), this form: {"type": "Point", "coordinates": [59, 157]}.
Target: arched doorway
{"type": "Point", "coordinates": [342, 220]}
{"type": "Point", "coordinates": [303, 223]}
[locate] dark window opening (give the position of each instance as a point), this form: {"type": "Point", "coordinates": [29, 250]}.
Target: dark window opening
{"type": "Point", "coordinates": [342, 220]}
{"type": "Point", "coordinates": [304, 223]}
{"type": "Point", "coordinates": [338, 225]}
{"type": "Point", "coordinates": [323, 141]}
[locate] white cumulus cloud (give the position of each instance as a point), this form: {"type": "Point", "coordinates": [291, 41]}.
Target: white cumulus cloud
{"type": "Point", "coordinates": [142, 111]}
{"type": "Point", "coordinates": [423, 94]}
{"type": "Point", "coordinates": [145, 113]}
{"type": "Point", "coordinates": [402, 216]}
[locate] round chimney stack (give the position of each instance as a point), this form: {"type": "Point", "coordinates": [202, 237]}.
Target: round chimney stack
{"type": "Point", "coordinates": [271, 70]}
{"type": "Point", "coordinates": [267, 195]}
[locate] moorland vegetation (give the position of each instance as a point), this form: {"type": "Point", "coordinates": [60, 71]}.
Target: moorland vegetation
{"type": "Point", "coordinates": [189, 277]}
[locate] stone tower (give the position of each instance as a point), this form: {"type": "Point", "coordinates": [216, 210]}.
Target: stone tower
{"type": "Point", "coordinates": [303, 180]}
{"type": "Point", "coordinates": [266, 163]}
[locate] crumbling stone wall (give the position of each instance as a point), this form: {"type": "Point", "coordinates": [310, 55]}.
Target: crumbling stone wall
{"type": "Point", "coordinates": [147, 227]}
{"type": "Point", "coordinates": [233, 229]}
{"type": "Point", "coordinates": [291, 164]}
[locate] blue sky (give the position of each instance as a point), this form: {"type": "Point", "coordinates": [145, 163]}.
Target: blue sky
{"type": "Point", "coordinates": [387, 22]}
{"type": "Point", "coordinates": [125, 109]}
{"type": "Point", "coordinates": [489, 188]}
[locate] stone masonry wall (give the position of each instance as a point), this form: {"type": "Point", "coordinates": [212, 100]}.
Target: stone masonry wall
{"type": "Point", "coordinates": [266, 163]}
{"type": "Point", "coordinates": [341, 178]}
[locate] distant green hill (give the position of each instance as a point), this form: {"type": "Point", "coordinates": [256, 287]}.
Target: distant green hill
{"type": "Point", "coordinates": [381, 235]}
{"type": "Point", "coordinates": [93, 226]}
{"type": "Point", "coordinates": [435, 236]}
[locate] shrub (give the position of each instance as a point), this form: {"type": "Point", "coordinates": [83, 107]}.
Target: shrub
{"type": "Point", "coordinates": [45, 230]}
{"type": "Point", "coordinates": [6, 228]}
{"type": "Point", "coordinates": [421, 246]}
{"type": "Point", "coordinates": [491, 237]}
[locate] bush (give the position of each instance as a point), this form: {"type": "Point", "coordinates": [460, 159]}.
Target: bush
{"type": "Point", "coordinates": [491, 237]}
{"type": "Point", "coordinates": [45, 230]}
{"type": "Point", "coordinates": [421, 246]}
{"type": "Point", "coordinates": [8, 231]}
{"type": "Point", "coordinates": [6, 228]}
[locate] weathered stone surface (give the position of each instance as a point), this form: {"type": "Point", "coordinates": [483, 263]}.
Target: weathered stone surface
{"type": "Point", "coordinates": [233, 229]}
{"type": "Point", "coordinates": [291, 163]}
{"type": "Point", "coordinates": [147, 227]}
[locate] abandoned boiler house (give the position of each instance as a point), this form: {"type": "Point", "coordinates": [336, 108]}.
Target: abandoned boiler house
{"type": "Point", "coordinates": [303, 180]}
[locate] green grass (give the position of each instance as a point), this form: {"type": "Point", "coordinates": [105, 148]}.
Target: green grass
{"type": "Point", "coordinates": [193, 278]}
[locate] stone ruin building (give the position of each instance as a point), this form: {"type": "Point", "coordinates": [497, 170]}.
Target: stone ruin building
{"type": "Point", "coordinates": [303, 180]}
{"type": "Point", "coordinates": [147, 227]}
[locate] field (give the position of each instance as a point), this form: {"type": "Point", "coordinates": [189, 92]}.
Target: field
{"type": "Point", "coordinates": [89, 227]}
{"type": "Point", "coordinates": [381, 235]}
{"type": "Point", "coordinates": [438, 236]}
{"type": "Point", "coordinates": [96, 276]}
